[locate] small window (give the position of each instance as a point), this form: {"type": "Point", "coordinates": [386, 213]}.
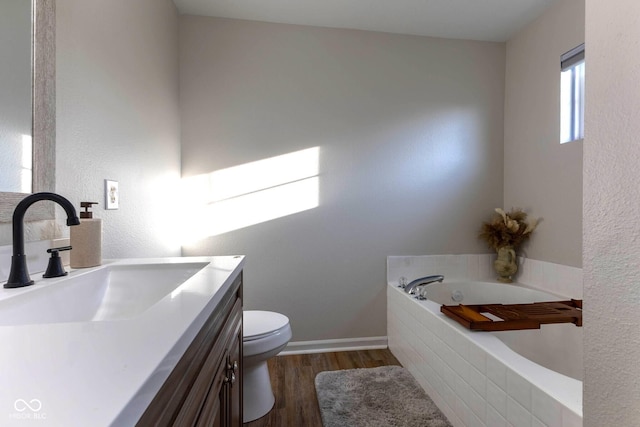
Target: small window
{"type": "Point", "coordinates": [572, 95]}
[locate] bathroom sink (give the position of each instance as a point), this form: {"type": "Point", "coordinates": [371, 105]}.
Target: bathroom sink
{"type": "Point", "coordinates": [110, 292]}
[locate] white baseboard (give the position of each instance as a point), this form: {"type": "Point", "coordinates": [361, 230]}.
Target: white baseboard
{"type": "Point", "coordinates": [328, 346]}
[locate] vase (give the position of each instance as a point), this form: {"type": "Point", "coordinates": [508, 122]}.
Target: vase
{"type": "Point", "coordinates": [505, 264]}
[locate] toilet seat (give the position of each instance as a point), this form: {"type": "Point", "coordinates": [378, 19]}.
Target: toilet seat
{"type": "Point", "coordinates": [258, 324]}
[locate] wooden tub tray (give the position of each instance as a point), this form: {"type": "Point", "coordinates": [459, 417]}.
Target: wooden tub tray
{"type": "Point", "coordinates": [509, 317]}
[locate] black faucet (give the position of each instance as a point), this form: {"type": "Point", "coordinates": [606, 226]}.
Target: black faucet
{"type": "Point", "coordinates": [19, 275]}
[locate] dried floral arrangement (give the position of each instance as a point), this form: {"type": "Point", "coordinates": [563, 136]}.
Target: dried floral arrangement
{"type": "Point", "coordinates": [507, 229]}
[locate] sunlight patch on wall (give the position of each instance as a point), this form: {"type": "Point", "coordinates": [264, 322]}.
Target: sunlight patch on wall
{"type": "Point", "coordinates": [252, 193]}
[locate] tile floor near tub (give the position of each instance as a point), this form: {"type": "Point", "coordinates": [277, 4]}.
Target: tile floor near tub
{"type": "Point", "coordinates": [471, 387]}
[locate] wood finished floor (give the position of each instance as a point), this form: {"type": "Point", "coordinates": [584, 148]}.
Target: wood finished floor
{"type": "Point", "coordinates": [292, 380]}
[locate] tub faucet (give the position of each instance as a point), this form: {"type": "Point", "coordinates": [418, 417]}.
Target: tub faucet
{"type": "Point", "coordinates": [410, 288]}
{"type": "Point", "coordinates": [19, 274]}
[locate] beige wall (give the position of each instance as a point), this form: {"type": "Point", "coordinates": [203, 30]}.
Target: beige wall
{"type": "Point", "coordinates": [117, 117]}
{"type": "Point", "coordinates": [541, 175]}
{"type": "Point", "coordinates": [611, 215]}
{"type": "Point", "coordinates": [409, 131]}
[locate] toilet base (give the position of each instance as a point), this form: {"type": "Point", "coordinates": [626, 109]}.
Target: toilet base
{"type": "Point", "coordinates": [257, 395]}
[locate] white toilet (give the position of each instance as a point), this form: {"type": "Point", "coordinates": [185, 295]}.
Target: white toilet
{"type": "Point", "coordinates": [264, 334]}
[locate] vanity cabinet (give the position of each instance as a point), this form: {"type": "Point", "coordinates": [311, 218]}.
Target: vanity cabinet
{"type": "Point", "coordinates": [205, 387]}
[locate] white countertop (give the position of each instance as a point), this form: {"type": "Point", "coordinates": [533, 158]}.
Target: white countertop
{"type": "Point", "coordinates": [103, 373]}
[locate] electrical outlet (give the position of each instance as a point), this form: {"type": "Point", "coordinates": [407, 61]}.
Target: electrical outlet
{"type": "Point", "coordinates": [111, 194]}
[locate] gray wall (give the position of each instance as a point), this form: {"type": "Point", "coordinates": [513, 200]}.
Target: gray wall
{"type": "Point", "coordinates": [611, 215]}
{"type": "Point", "coordinates": [541, 175]}
{"type": "Point", "coordinates": [117, 118]}
{"type": "Point", "coordinates": [409, 131]}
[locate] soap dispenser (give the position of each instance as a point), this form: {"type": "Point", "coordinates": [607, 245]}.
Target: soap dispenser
{"type": "Point", "coordinates": [86, 239]}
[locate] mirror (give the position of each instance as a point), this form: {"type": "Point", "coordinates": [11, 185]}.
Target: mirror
{"type": "Point", "coordinates": [15, 93]}
{"type": "Point", "coordinates": [42, 111]}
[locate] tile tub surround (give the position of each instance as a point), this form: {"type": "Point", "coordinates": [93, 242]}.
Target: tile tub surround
{"type": "Point", "coordinates": [554, 278]}
{"type": "Point", "coordinates": [471, 386]}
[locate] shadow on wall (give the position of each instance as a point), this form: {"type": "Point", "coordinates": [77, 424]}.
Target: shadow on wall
{"type": "Point", "coordinates": [252, 193]}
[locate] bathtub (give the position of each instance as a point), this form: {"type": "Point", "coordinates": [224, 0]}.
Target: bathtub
{"type": "Point", "coordinates": [493, 379]}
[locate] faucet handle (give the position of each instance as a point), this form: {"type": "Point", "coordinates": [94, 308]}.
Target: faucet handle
{"type": "Point", "coordinates": [55, 268]}
{"type": "Point", "coordinates": [60, 249]}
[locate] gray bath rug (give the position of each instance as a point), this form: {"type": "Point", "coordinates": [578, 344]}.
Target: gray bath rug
{"type": "Point", "coordinates": [387, 396]}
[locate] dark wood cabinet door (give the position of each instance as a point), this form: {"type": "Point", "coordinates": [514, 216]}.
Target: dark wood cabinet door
{"type": "Point", "coordinates": [235, 389]}
{"type": "Point", "coordinates": [227, 378]}
{"type": "Point", "coordinates": [205, 387]}
{"type": "Point", "coordinates": [214, 409]}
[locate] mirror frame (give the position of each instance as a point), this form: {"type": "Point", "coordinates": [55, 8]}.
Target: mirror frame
{"type": "Point", "coordinates": [43, 114]}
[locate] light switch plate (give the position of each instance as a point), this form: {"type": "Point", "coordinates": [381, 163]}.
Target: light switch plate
{"type": "Point", "coordinates": [111, 194]}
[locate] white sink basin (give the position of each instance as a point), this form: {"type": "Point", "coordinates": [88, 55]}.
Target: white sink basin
{"type": "Point", "coordinates": [110, 292]}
